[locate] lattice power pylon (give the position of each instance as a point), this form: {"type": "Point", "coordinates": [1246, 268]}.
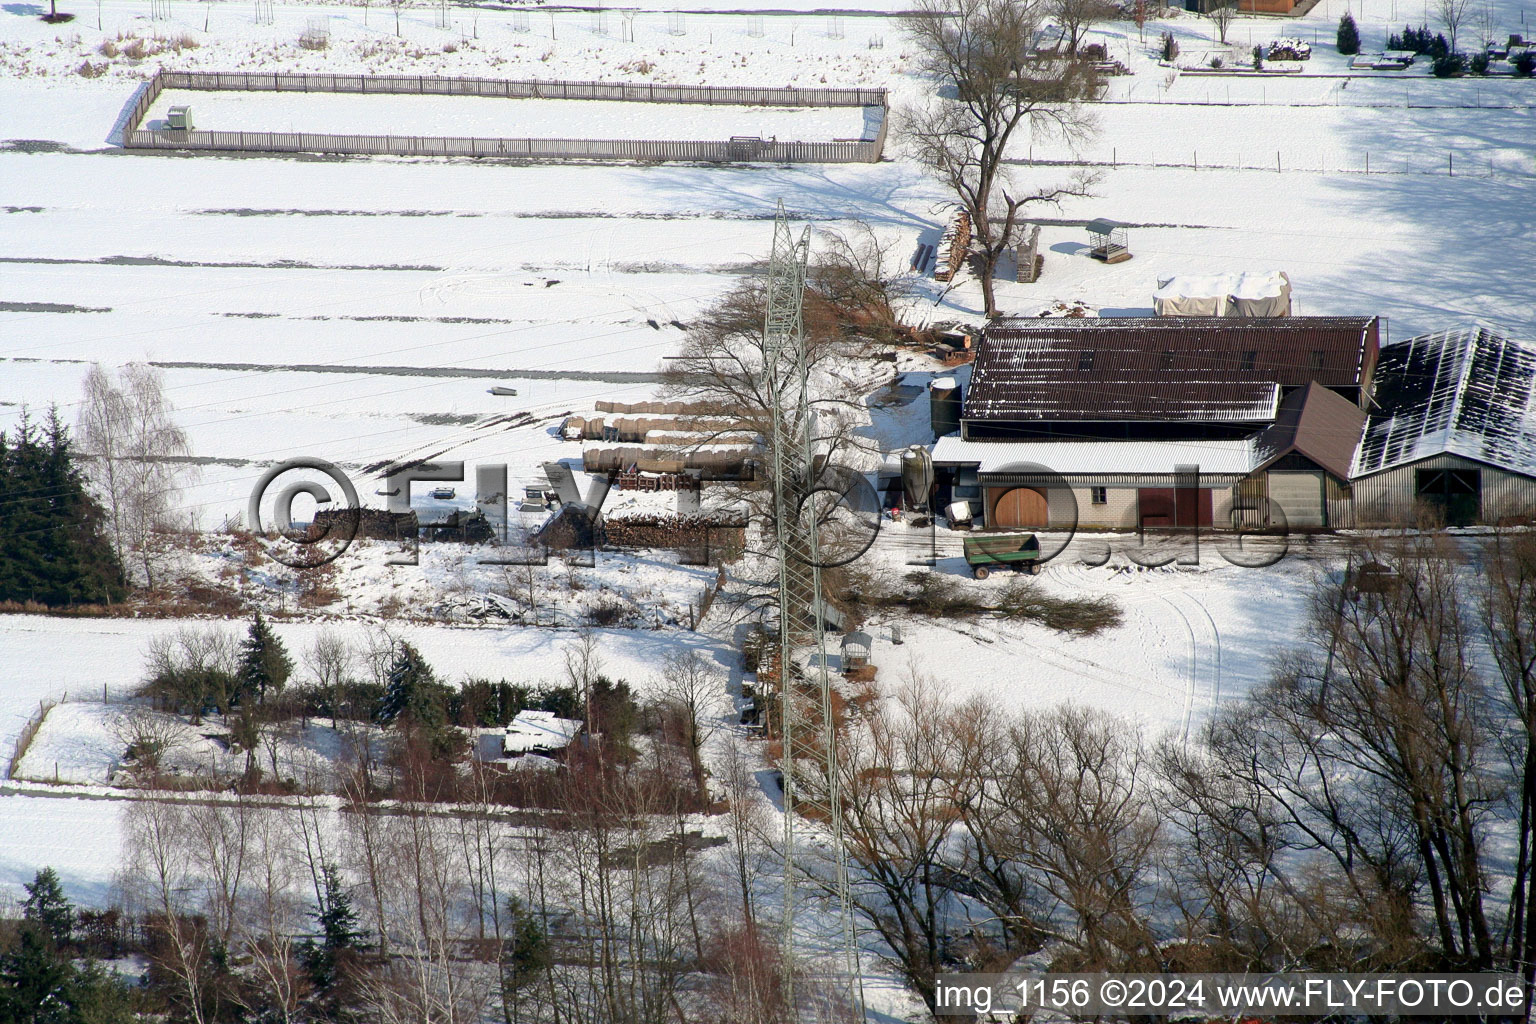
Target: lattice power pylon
{"type": "Point", "coordinates": [808, 733]}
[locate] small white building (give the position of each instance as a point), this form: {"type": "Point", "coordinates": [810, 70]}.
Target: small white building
{"type": "Point", "coordinates": [531, 732]}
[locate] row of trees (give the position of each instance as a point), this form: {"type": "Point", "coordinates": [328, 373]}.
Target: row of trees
{"type": "Point", "coordinates": [606, 906]}
{"type": "Point", "coordinates": [50, 970]}
{"type": "Point", "coordinates": [53, 547]}
{"type": "Point", "coordinates": [266, 695]}
{"type": "Point", "coordinates": [1352, 814]}
{"type": "Point", "coordinates": [77, 510]}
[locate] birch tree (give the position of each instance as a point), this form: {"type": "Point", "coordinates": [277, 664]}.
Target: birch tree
{"type": "Point", "coordinates": [130, 443]}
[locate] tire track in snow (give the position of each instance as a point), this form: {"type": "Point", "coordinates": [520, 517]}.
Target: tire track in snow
{"type": "Point", "coordinates": [1196, 621]}
{"type": "Point", "coordinates": [1159, 590]}
{"type": "Point", "coordinates": [1189, 691]}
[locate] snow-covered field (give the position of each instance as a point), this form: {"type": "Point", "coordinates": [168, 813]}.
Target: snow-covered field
{"type": "Point", "coordinates": [359, 310]}
{"type": "Point", "coordinates": [486, 117]}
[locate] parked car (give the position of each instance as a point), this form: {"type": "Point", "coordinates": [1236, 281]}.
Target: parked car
{"type": "Point", "coordinates": [441, 493]}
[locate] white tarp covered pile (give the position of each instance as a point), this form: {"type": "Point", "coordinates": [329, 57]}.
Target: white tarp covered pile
{"type": "Point", "coordinates": [1248, 294]}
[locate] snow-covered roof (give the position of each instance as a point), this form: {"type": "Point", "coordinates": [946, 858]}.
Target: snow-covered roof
{"type": "Point", "coordinates": [1467, 392]}
{"type": "Point", "coordinates": [1240, 284]}
{"type": "Point", "coordinates": [1162, 369]}
{"type": "Point", "coordinates": [540, 730]}
{"type": "Point", "coordinates": [1098, 457]}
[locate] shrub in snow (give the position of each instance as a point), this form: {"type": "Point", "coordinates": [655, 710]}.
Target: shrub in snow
{"type": "Point", "coordinates": [1478, 65]}
{"type": "Point", "coordinates": [1216, 62]}
{"type": "Point", "coordinates": [1525, 64]}
{"type": "Point", "coordinates": [1258, 58]}
{"type": "Point", "coordinates": [1170, 48]}
{"type": "Point", "coordinates": [1349, 35]}
{"type": "Point", "coordinates": [1419, 40]}
{"type": "Point", "coordinates": [1449, 65]}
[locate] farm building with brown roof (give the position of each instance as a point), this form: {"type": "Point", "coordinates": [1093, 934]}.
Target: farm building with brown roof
{"type": "Point", "coordinates": [1162, 422]}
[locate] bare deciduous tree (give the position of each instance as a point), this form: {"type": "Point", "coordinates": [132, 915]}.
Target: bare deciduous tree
{"type": "Point", "coordinates": [129, 442]}
{"type": "Point", "coordinates": [859, 282]}
{"type": "Point", "coordinates": [158, 880]}
{"type": "Point", "coordinates": [1375, 743]}
{"type": "Point", "coordinates": [692, 695]}
{"type": "Point", "coordinates": [1222, 15]}
{"type": "Point", "coordinates": [990, 83]}
{"type": "Point", "coordinates": [901, 789]}
{"type": "Point", "coordinates": [147, 736]}
{"type": "Point", "coordinates": [271, 917]}
{"type": "Point", "coordinates": [1451, 14]}
{"type": "Point", "coordinates": [329, 660]}
{"type": "Point", "coordinates": [1073, 812]}
{"type": "Point", "coordinates": [1509, 616]}
{"type": "Point", "coordinates": [1077, 17]}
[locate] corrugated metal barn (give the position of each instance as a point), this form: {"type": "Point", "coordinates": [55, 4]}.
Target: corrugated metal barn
{"type": "Point", "coordinates": [1161, 377]}
{"type": "Point", "coordinates": [1453, 435]}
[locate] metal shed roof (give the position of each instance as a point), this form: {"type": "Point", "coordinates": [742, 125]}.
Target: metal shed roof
{"type": "Point", "coordinates": [1103, 226]}
{"type": "Point", "coordinates": [1468, 392]}
{"type": "Point", "coordinates": [1316, 423]}
{"type": "Point", "coordinates": [1162, 368]}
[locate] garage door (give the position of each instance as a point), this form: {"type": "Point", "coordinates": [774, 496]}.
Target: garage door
{"type": "Point", "coordinates": [1169, 506]}
{"type": "Point", "coordinates": [1301, 495]}
{"type": "Point", "coordinates": [1021, 508]}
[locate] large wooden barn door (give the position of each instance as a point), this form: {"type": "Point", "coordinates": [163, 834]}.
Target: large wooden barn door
{"type": "Point", "coordinates": [1174, 506]}
{"type": "Point", "coordinates": [1021, 508]}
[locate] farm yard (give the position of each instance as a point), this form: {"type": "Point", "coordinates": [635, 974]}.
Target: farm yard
{"type": "Point", "coordinates": [388, 311]}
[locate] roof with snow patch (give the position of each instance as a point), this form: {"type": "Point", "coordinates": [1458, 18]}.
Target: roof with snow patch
{"type": "Point", "coordinates": [540, 730]}
{"type": "Point", "coordinates": [1162, 368]}
{"type": "Point", "coordinates": [1466, 392]}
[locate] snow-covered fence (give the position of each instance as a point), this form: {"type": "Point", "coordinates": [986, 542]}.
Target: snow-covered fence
{"type": "Point", "coordinates": [649, 92]}
{"type": "Point", "coordinates": [734, 150]}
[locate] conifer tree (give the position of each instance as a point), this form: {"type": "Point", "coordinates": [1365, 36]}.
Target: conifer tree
{"type": "Point", "coordinates": [341, 936]}
{"type": "Point", "coordinates": [1349, 35]}
{"type": "Point", "coordinates": [48, 907]}
{"type": "Point", "coordinates": [52, 549]}
{"type": "Point", "coordinates": [264, 661]}
{"type": "Point", "coordinates": [34, 981]}
{"type": "Point", "coordinates": [409, 693]}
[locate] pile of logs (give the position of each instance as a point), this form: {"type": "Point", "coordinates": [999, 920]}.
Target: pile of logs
{"type": "Point", "coordinates": [714, 464]}
{"type": "Point", "coordinates": [373, 523]}
{"type": "Point", "coordinates": [645, 429]}
{"type": "Point", "coordinates": [1028, 258]}
{"type": "Point", "coordinates": [953, 247]}
{"type": "Point", "coordinates": [634, 480]}
{"type": "Point", "coordinates": [676, 532]}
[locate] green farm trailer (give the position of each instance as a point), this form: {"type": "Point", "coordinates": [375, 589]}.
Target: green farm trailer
{"type": "Point", "coordinates": [1017, 551]}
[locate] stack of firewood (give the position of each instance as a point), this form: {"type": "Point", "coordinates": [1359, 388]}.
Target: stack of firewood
{"type": "Point", "coordinates": [953, 247]}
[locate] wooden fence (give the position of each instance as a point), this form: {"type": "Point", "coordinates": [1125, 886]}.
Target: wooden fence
{"type": "Point", "coordinates": [735, 150]}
